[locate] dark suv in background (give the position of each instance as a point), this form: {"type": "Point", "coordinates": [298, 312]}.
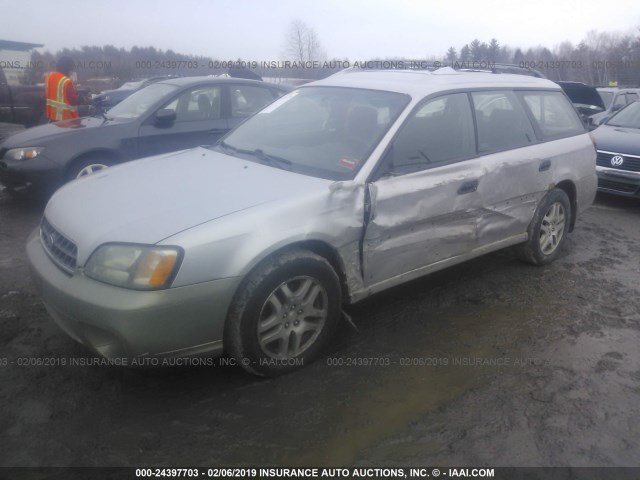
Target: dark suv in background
{"type": "Point", "coordinates": [585, 99]}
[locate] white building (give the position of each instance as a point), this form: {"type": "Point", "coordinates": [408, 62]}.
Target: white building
{"type": "Point", "coordinates": [15, 58]}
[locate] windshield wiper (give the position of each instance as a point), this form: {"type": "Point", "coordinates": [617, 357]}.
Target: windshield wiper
{"type": "Point", "coordinates": [272, 160]}
{"type": "Point", "coordinates": [258, 153]}
{"type": "Point", "coordinates": [100, 111]}
{"type": "Point", "coordinates": [226, 146]}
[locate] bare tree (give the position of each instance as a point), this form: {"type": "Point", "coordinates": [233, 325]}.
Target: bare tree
{"type": "Point", "coordinates": [452, 55]}
{"type": "Point", "coordinates": [303, 43]}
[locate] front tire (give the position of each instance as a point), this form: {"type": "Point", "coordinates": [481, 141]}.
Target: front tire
{"type": "Point", "coordinates": [548, 229]}
{"type": "Point", "coordinates": [88, 166]}
{"type": "Point", "coordinates": [284, 313]}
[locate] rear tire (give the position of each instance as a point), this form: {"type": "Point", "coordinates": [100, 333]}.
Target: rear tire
{"type": "Point", "coordinates": [284, 313]}
{"type": "Point", "coordinates": [548, 229]}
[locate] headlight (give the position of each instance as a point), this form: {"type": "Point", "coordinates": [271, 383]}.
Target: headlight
{"type": "Point", "coordinates": [26, 153]}
{"type": "Point", "coordinates": [138, 267]}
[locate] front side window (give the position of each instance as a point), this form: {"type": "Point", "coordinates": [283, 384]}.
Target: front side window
{"type": "Point", "coordinates": [439, 132]}
{"type": "Point", "coordinates": [501, 121]}
{"type": "Point", "coordinates": [141, 101]}
{"type": "Point", "coordinates": [326, 132]}
{"type": "Point", "coordinates": [619, 101]}
{"type": "Point", "coordinates": [201, 103]}
{"type": "Point", "coordinates": [606, 97]}
{"type": "Point", "coordinates": [553, 113]}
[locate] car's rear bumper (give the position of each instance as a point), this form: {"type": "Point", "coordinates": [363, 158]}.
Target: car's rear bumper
{"type": "Point", "coordinates": [619, 182]}
{"type": "Point", "coordinates": [119, 323]}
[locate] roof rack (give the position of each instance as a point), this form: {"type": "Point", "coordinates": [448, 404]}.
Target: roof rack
{"type": "Point", "coordinates": [506, 68]}
{"type": "Point", "coordinates": [430, 66]}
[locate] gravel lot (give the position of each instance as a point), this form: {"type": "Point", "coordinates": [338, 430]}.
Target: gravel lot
{"type": "Point", "coordinates": [510, 365]}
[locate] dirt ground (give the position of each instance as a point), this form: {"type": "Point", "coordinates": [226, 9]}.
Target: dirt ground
{"type": "Point", "coordinates": [491, 363]}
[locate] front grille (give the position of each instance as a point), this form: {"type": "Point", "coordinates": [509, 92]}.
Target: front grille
{"type": "Point", "coordinates": [630, 164]}
{"type": "Point", "coordinates": [61, 250]}
{"type": "Point", "coordinates": [617, 186]}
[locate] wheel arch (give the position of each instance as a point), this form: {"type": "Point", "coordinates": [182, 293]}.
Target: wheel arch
{"type": "Point", "coordinates": [239, 336]}
{"type": "Point", "coordinates": [103, 152]}
{"type": "Point", "coordinates": [570, 189]}
{"type": "Point", "coordinates": [320, 248]}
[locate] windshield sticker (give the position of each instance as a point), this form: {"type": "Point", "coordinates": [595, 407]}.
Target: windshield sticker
{"type": "Point", "coordinates": [346, 162]}
{"type": "Point", "coordinates": [278, 103]}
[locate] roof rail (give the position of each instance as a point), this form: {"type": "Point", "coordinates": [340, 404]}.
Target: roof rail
{"type": "Point", "coordinates": [431, 65]}
{"type": "Point", "coordinates": [506, 68]}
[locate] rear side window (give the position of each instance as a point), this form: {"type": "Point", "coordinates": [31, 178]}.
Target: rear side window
{"type": "Point", "coordinates": [501, 121]}
{"type": "Point", "coordinates": [553, 113]}
{"type": "Point", "coordinates": [248, 99]}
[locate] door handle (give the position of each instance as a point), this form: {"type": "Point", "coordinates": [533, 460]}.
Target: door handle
{"type": "Point", "coordinates": [217, 130]}
{"type": "Point", "coordinates": [468, 187]}
{"type": "Point", "coordinates": [544, 165]}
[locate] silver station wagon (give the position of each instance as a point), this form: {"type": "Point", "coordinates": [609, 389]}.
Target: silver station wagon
{"type": "Point", "coordinates": [336, 191]}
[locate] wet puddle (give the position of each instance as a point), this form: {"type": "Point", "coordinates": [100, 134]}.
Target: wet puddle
{"type": "Point", "coordinates": [419, 370]}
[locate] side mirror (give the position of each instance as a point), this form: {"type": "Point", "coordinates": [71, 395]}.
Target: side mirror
{"type": "Point", "coordinates": [165, 117]}
{"type": "Point", "coordinates": [615, 108]}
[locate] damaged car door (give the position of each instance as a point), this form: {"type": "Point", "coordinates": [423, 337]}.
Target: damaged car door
{"type": "Point", "coordinates": [516, 170]}
{"type": "Point", "coordinates": [464, 176]}
{"type": "Point", "coordinates": [424, 203]}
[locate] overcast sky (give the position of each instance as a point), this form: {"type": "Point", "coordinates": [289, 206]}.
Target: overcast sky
{"type": "Point", "coordinates": [357, 30]}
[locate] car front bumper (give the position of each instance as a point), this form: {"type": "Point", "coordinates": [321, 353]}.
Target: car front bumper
{"type": "Point", "coordinates": [39, 174]}
{"type": "Point", "coordinates": [619, 182]}
{"type": "Point", "coordinates": [118, 323]}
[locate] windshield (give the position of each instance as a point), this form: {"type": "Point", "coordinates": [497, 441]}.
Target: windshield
{"type": "Point", "coordinates": [326, 132]}
{"type": "Point", "coordinates": [141, 101]}
{"type": "Point", "coordinates": [606, 98]}
{"type": "Point", "coordinates": [628, 117]}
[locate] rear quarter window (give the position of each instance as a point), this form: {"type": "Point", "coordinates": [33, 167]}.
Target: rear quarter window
{"type": "Point", "coordinates": [553, 114]}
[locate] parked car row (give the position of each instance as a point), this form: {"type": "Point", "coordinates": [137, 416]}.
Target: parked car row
{"type": "Point", "coordinates": [330, 193]}
{"type": "Point", "coordinates": [166, 116]}
{"type": "Point", "coordinates": [616, 133]}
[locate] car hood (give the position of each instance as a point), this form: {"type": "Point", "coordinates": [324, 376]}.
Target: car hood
{"type": "Point", "coordinates": [617, 139]}
{"type": "Point", "coordinates": [149, 200]}
{"type": "Point", "coordinates": [579, 93]}
{"type": "Point", "coordinates": [38, 136]}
